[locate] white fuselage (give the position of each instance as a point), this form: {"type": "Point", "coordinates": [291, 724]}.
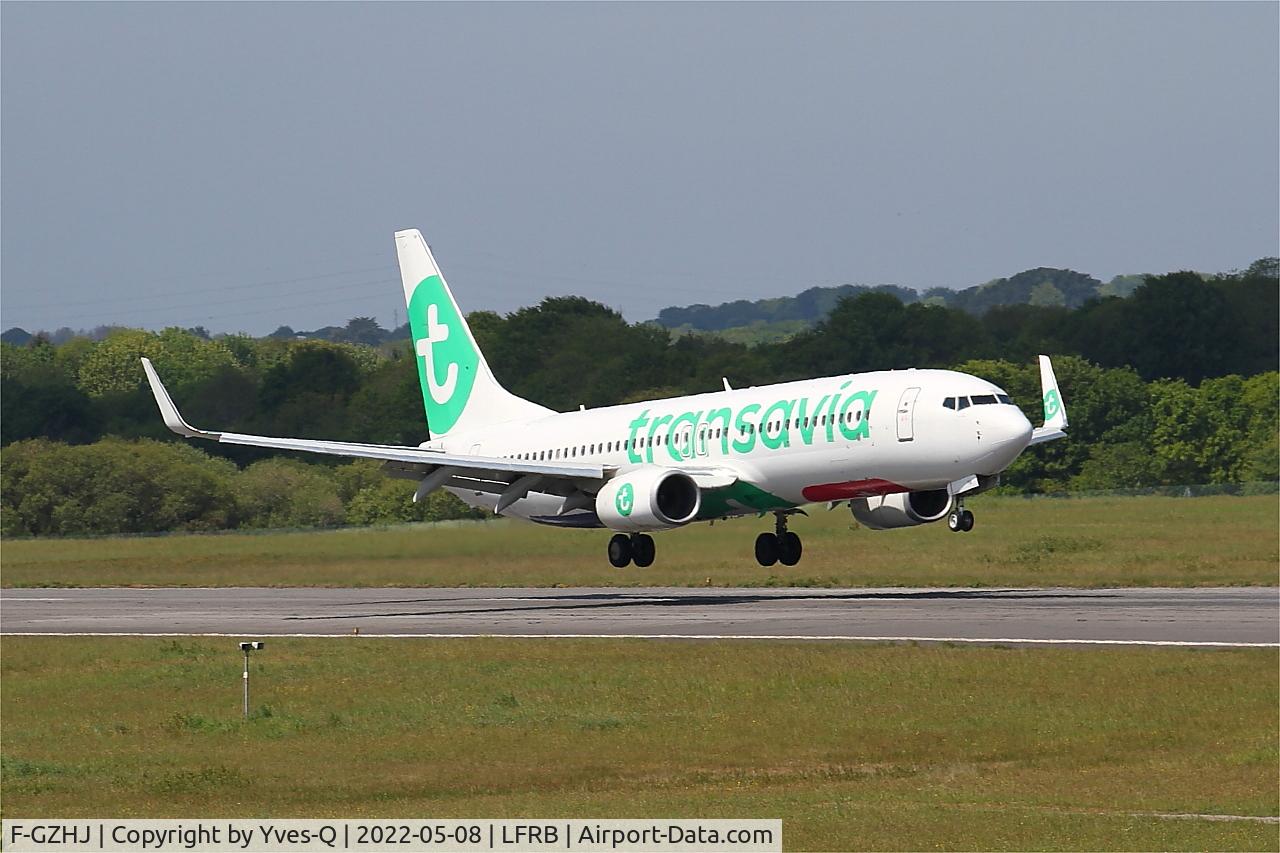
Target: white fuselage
{"type": "Point", "coordinates": [815, 440]}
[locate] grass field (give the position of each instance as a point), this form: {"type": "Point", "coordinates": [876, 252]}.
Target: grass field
{"type": "Point", "coordinates": [1120, 541]}
{"type": "Point", "coordinates": [853, 746]}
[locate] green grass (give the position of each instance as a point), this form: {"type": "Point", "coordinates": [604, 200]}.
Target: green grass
{"type": "Point", "coordinates": [853, 746]}
{"type": "Point", "coordinates": [1120, 541]}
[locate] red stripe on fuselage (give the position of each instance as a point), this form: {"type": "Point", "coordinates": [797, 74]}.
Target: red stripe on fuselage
{"type": "Point", "coordinates": [851, 489]}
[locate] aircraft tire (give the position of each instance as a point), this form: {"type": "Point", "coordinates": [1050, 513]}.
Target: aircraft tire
{"type": "Point", "coordinates": [766, 549]}
{"type": "Point", "coordinates": [955, 521]}
{"type": "Point", "coordinates": [966, 521]}
{"type": "Point", "coordinates": [620, 550]}
{"type": "Point", "coordinates": [643, 550]}
{"type": "Point", "coordinates": [789, 548]}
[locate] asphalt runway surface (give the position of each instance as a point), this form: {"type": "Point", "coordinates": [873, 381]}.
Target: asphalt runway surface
{"type": "Point", "coordinates": [1197, 617]}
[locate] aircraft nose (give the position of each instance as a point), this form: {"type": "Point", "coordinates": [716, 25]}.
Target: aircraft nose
{"type": "Point", "coordinates": [1010, 428]}
{"type": "Point", "coordinates": [1004, 436]}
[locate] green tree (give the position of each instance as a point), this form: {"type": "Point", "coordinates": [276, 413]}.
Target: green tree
{"type": "Point", "coordinates": [182, 359]}
{"type": "Point", "coordinates": [1178, 326]}
{"type": "Point", "coordinates": [113, 486]}
{"type": "Point", "coordinates": [278, 493]}
{"type": "Point", "coordinates": [364, 330]}
{"type": "Point", "coordinates": [387, 407]}
{"type": "Point", "coordinates": [1046, 295]}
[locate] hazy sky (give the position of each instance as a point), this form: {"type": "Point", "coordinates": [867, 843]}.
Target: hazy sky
{"type": "Point", "coordinates": [243, 166]}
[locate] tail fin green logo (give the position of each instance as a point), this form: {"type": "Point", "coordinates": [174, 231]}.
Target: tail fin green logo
{"type": "Point", "coordinates": [1051, 404]}
{"type": "Point", "coordinates": [446, 359]}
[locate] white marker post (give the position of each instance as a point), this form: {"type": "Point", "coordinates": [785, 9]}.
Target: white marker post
{"type": "Point", "coordinates": [246, 648]}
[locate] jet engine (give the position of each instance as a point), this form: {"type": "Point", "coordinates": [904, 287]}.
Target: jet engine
{"type": "Point", "coordinates": [649, 498]}
{"type": "Point", "coordinates": [904, 509]}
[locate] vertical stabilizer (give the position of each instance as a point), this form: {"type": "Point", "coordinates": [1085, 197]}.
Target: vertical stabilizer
{"type": "Point", "coordinates": [459, 392]}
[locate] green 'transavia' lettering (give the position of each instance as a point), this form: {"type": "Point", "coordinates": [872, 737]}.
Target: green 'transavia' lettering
{"type": "Point", "coordinates": [691, 434]}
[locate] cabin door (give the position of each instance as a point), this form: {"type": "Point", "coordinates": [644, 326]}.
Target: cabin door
{"type": "Point", "coordinates": [906, 414]}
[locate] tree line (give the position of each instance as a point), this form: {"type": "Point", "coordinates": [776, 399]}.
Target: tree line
{"type": "Point", "coordinates": [1173, 384]}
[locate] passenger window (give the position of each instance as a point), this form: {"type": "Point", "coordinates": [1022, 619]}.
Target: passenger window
{"type": "Point", "coordinates": [949, 403]}
{"type": "Point", "coordinates": [962, 403]}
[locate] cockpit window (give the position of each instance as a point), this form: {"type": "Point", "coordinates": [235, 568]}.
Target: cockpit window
{"type": "Point", "coordinates": [1004, 398]}
{"type": "Point", "coordinates": [949, 403]}
{"type": "Point", "coordinates": [984, 399]}
{"type": "Point", "coordinates": [962, 403]}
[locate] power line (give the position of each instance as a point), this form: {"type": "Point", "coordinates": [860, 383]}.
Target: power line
{"type": "Point", "coordinates": [154, 296]}
{"type": "Point", "coordinates": [240, 300]}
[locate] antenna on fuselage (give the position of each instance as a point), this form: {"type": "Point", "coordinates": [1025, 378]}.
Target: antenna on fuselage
{"type": "Point", "coordinates": [725, 380]}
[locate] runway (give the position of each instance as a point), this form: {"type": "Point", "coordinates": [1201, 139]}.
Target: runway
{"type": "Point", "coordinates": [1193, 617]}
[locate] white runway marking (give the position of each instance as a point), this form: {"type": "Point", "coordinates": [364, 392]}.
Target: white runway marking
{"type": "Point", "coordinates": [774, 637]}
{"type": "Point", "coordinates": [1214, 817]}
{"type": "Point", "coordinates": [2, 600]}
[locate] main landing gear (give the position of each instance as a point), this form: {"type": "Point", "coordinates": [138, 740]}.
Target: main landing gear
{"type": "Point", "coordinates": [960, 520]}
{"type": "Point", "coordinates": [781, 546]}
{"type": "Point", "coordinates": [637, 548]}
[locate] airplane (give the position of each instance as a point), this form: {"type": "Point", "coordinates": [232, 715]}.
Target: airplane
{"type": "Point", "coordinates": [900, 447]}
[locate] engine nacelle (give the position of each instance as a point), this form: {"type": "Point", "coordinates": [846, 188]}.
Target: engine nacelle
{"type": "Point", "coordinates": [904, 509]}
{"type": "Point", "coordinates": [649, 498]}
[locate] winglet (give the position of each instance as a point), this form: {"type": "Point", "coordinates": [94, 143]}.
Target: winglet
{"type": "Point", "coordinates": [1055, 411]}
{"type": "Point", "coordinates": [168, 410]}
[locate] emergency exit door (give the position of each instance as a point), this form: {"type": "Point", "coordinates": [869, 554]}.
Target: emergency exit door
{"type": "Point", "coordinates": [906, 414]}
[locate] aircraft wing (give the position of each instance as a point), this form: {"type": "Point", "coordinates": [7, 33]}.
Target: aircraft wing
{"type": "Point", "coordinates": [511, 479]}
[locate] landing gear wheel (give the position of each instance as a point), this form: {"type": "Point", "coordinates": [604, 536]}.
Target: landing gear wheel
{"type": "Point", "coordinates": [766, 549]}
{"type": "Point", "coordinates": [643, 550]}
{"type": "Point", "coordinates": [955, 521]}
{"type": "Point", "coordinates": [789, 548]}
{"type": "Point", "coordinates": [619, 551]}
{"type": "Point", "coordinates": [966, 521]}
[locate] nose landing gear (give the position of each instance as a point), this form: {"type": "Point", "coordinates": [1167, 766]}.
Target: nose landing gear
{"type": "Point", "coordinates": [960, 520]}
{"type": "Point", "coordinates": [781, 546]}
